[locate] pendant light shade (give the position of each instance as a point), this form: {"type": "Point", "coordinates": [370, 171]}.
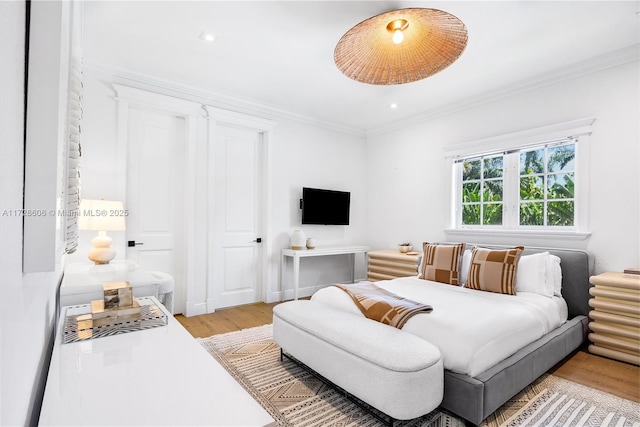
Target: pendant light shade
{"type": "Point", "coordinates": [401, 46]}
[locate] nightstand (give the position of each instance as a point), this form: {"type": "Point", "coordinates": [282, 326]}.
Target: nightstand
{"type": "Point", "coordinates": [390, 263]}
{"type": "Point", "coordinates": [615, 318]}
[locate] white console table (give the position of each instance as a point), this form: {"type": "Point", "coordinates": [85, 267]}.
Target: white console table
{"type": "Point", "coordinates": [154, 377]}
{"type": "Point", "coordinates": [296, 255]}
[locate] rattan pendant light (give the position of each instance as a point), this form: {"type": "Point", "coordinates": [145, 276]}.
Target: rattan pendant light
{"type": "Point", "coordinates": [401, 46]}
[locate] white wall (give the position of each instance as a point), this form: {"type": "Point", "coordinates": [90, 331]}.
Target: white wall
{"type": "Point", "coordinates": [409, 191]}
{"type": "Point", "coordinates": [27, 301]}
{"type": "Point", "coordinates": [310, 156]}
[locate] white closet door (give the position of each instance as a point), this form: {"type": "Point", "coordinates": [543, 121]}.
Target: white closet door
{"type": "Point", "coordinates": [155, 180]}
{"type": "Point", "coordinates": [235, 245]}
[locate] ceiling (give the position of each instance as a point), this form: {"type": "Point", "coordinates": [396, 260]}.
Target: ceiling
{"type": "Point", "coordinates": [279, 54]}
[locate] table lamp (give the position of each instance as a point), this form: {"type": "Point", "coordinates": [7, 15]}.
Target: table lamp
{"type": "Point", "coordinates": [101, 216]}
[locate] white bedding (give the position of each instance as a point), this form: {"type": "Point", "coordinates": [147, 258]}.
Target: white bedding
{"type": "Point", "coordinates": [474, 330]}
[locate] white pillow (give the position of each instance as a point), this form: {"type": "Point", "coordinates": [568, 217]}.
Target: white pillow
{"type": "Point", "coordinates": [464, 268]}
{"type": "Point", "coordinates": [531, 275]}
{"type": "Point", "coordinates": [554, 274]}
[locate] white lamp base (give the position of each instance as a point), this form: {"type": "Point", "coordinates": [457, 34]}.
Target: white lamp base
{"type": "Point", "coordinates": [101, 253]}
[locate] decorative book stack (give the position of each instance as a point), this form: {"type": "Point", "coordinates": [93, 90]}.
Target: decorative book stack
{"type": "Point", "coordinates": [117, 306]}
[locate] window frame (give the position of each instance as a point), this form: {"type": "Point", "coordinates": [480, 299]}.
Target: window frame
{"type": "Point", "coordinates": [576, 131]}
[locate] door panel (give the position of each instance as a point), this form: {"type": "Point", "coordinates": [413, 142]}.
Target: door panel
{"type": "Point", "coordinates": [155, 164]}
{"type": "Point", "coordinates": [239, 279]}
{"type": "Point", "coordinates": [237, 209]}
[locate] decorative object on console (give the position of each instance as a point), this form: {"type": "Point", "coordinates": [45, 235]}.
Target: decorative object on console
{"type": "Point", "coordinates": [298, 240]}
{"type": "Point", "coordinates": [117, 305]}
{"type": "Point", "coordinates": [311, 243]}
{"type": "Point", "coordinates": [117, 295]}
{"type": "Point", "coordinates": [101, 216]}
{"type": "Point", "coordinates": [405, 247]}
{"type": "Point", "coordinates": [401, 46]}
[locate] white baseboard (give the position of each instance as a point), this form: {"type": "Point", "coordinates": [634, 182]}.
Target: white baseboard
{"type": "Point", "coordinates": [210, 306]}
{"type": "Point", "coordinates": [303, 292]}
{"type": "Point", "coordinates": [273, 297]}
{"type": "Point", "coordinates": [193, 309]}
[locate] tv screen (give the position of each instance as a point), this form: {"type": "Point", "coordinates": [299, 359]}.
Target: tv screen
{"type": "Point", "coordinates": [325, 207]}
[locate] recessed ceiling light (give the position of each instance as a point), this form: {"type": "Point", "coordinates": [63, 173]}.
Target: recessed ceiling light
{"type": "Point", "coordinates": [207, 36]}
{"type": "Point", "coordinates": [393, 106]}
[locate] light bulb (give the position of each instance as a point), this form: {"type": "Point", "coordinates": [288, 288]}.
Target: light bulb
{"type": "Point", "coordinates": [398, 37]}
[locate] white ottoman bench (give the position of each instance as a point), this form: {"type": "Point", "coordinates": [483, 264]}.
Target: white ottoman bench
{"type": "Point", "coordinates": [393, 371]}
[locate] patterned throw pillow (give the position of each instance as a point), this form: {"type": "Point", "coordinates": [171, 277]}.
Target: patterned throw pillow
{"type": "Point", "coordinates": [441, 263]}
{"type": "Point", "coordinates": [494, 270]}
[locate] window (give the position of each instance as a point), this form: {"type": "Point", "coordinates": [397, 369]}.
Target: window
{"type": "Point", "coordinates": [532, 187]}
{"type": "Point", "coordinates": [531, 183]}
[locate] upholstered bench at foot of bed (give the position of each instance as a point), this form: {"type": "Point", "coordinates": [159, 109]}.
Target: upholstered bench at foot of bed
{"type": "Point", "coordinates": [393, 371]}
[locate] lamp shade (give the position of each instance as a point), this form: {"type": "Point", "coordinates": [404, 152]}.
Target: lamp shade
{"type": "Point", "coordinates": [101, 215]}
{"type": "Point", "coordinates": [401, 46]}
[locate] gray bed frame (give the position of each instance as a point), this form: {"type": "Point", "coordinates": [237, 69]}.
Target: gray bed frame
{"type": "Point", "coordinates": [475, 398]}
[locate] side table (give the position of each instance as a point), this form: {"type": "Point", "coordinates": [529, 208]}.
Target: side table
{"type": "Point", "coordinates": [615, 318]}
{"type": "Point", "coordinates": [82, 282]}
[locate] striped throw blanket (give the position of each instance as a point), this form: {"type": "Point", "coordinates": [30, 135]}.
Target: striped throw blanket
{"type": "Point", "coordinates": [384, 306]}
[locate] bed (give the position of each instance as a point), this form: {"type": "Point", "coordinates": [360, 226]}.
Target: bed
{"type": "Point", "coordinates": [490, 355]}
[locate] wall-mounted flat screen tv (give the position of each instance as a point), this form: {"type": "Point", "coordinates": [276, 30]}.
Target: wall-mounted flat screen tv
{"type": "Point", "coordinates": [325, 207]}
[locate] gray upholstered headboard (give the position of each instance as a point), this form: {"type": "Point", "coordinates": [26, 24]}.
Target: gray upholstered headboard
{"type": "Point", "coordinates": [577, 267]}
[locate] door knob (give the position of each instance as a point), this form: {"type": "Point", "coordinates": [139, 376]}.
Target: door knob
{"type": "Point", "coordinates": [258, 240]}
{"type": "Point", "coordinates": [132, 243]}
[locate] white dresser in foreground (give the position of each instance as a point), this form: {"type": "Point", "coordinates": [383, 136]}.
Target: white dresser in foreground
{"type": "Point", "coordinates": [160, 376]}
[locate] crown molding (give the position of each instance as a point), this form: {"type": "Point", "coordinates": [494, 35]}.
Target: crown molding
{"type": "Point", "coordinates": [141, 80]}
{"type": "Point", "coordinates": [599, 63]}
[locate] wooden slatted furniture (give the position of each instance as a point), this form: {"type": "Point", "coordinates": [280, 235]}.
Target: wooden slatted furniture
{"type": "Point", "coordinates": [390, 264]}
{"type": "Point", "coordinates": [615, 318]}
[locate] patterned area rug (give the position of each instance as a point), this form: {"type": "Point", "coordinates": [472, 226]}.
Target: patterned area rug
{"type": "Point", "coordinates": [295, 397]}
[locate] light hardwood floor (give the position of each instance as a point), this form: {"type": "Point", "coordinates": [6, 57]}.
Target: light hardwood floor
{"type": "Point", "coordinates": [618, 378]}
